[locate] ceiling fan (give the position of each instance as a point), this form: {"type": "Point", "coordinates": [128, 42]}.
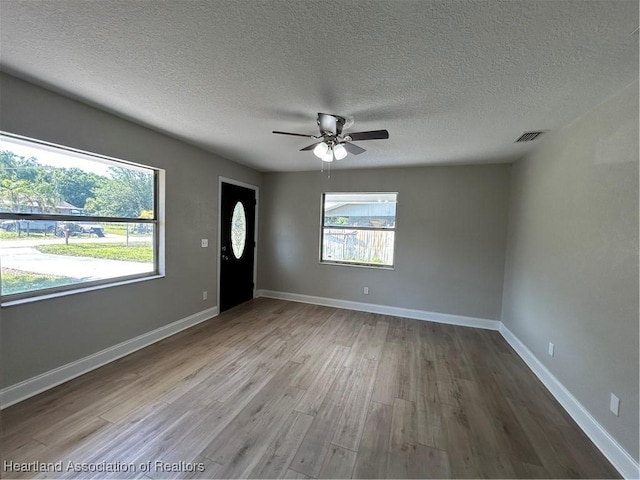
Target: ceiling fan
{"type": "Point", "coordinates": [333, 143]}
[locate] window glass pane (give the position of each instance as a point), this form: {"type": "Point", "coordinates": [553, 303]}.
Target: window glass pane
{"type": "Point", "coordinates": [238, 230]}
{"type": "Point", "coordinates": [376, 210]}
{"type": "Point", "coordinates": [37, 178]}
{"type": "Point", "coordinates": [374, 247]}
{"type": "Point", "coordinates": [36, 258]}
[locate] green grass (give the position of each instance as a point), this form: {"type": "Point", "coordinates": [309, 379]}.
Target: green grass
{"type": "Point", "coordinates": [138, 252]}
{"type": "Point", "coordinates": [17, 281]}
{"type": "Point", "coordinates": [114, 229]}
{"type": "Point", "coordinates": [4, 235]}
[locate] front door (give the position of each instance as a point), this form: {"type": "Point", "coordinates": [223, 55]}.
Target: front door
{"type": "Point", "coordinates": [237, 245]}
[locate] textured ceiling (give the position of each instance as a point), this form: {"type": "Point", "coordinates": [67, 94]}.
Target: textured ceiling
{"type": "Point", "coordinates": [452, 81]}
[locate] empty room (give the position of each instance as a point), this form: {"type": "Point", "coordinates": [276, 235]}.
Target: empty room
{"type": "Point", "coordinates": [319, 239]}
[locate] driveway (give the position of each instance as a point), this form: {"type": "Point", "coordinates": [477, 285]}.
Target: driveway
{"type": "Point", "coordinates": [28, 259]}
{"type": "Point", "coordinates": [32, 242]}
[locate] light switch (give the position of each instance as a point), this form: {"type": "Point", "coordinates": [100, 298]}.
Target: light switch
{"type": "Point", "coordinates": [614, 405]}
{"type": "Point", "coordinates": [205, 242]}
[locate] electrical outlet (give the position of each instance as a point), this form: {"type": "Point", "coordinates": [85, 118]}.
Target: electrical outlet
{"type": "Point", "coordinates": [205, 295]}
{"type": "Point", "coordinates": [551, 349]}
{"type": "Point", "coordinates": [365, 290]}
{"type": "Point", "coordinates": [614, 405]}
{"type": "Point", "coordinates": [205, 242]}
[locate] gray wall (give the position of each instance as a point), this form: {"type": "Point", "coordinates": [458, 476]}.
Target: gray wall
{"type": "Point", "coordinates": [571, 275]}
{"type": "Point", "coordinates": [450, 239]}
{"type": "Point", "coordinates": [43, 335]}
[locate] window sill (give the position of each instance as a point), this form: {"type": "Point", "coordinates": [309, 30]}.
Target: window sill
{"type": "Point", "coordinates": [358, 265]}
{"type": "Point", "coordinates": [48, 296]}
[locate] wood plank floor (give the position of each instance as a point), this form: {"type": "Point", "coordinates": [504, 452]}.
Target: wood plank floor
{"type": "Point", "coordinates": [276, 389]}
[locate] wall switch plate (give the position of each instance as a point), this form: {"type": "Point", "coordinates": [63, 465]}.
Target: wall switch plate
{"type": "Point", "coordinates": [205, 242]}
{"type": "Point", "coordinates": [205, 294]}
{"type": "Point", "coordinates": [614, 405]}
{"type": "Point", "coordinates": [365, 290]}
{"type": "Point", "coordinates": [551, 349]}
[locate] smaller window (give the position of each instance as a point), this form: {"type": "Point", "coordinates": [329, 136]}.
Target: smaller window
{"type": "Point", "coordinates": [358, 228]}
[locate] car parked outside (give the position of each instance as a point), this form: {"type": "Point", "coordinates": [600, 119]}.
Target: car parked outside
{"type": "Point", "coordinates": [53, 227]}
{"type": "Point", "coordinates": [79, 228]}
{"type": "Point", "coordinates": [29, 226]}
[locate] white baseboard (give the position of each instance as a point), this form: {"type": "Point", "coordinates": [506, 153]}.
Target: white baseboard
{"type": "Point", "coordinates": [618, 456]}
{"type": "Point", "coordinates": [28, 388]}
{"type": "Point", "coordinates": [385, 310]}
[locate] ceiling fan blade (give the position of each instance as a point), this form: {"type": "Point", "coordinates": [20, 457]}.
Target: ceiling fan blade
{"type": "Point", "coordinates": [293, 134]}
{"type": "Point", "coordinates": [310, 147]}
{"type": "Point", "coordinates": [372, 135]}
{"type": "Point", "coordinates": [353, 149]}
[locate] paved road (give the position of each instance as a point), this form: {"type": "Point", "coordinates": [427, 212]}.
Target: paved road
{"type": "Point", "coordinates": [27, 242]}
{"type": "Point", "coordinates": [20, 255]}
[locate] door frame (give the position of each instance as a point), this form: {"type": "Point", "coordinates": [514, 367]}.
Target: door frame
{"type": "Point", "coordinates": [255, 188]}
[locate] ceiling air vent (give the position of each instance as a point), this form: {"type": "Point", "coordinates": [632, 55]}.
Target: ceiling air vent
{"type": "Point", "coordinates": [528, 136]}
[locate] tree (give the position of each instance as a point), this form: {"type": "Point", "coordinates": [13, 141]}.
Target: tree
{"type": "Point", "coordinates": [22, 185]}
{"type": "Point", "coordinates": [126, 194]}
{"type": "Point", "coordinates": [75, 185]}
{"type": "Point", "coordinates": [25, 184]}
{"type": "Point", "coordinates": [20, 168]}
{"type": "Point", "coordinates": [13, 192]}
{"type": "Point", "coordinates": [8, 164]}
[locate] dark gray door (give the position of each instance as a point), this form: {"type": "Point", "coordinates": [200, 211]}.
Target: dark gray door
{"type": "Point", "coordinates": [237, 245]}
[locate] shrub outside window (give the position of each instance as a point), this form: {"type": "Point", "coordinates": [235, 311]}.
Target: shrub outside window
{"type": "Point", "coordinates": [72, 219]}
{"type": "Point", "coordinates": [358, 229]}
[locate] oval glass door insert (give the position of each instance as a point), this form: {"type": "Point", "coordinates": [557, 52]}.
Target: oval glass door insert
{"type": "Point", "coordinates": [238, 230]}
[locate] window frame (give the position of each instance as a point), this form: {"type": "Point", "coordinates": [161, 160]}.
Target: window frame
{"type": "Point", "coordinates": [158, 234]}
{"type": "Point", "coordinates": [346, 263]}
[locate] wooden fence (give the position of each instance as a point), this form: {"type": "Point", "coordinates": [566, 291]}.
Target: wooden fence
{"type": "Point", "coordinates": [361, 246]}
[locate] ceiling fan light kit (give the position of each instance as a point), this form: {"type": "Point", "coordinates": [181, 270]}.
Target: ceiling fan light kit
{"type": "Point", "coordinates": [333, 145]}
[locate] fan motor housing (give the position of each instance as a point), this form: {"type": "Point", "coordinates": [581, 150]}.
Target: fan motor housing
{"type": "Point", "coordinates": [330, 124]}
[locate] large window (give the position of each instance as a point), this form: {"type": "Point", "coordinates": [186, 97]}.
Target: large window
{"type": "Point", "coordinates": [71, 219]}
{"type": "Point", "coordinates": [358, 228]}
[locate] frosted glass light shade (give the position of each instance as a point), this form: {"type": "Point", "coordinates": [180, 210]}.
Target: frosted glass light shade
{"type": "Point", "coordinates": [328, 157]}
{"type": "Point", "coordinates": [321, 150]}
{"type": "Point", "coordinates": [339, 152]}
